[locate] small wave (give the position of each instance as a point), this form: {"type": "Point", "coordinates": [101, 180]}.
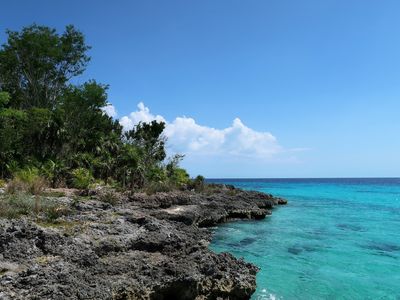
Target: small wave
{"type": "Point", "coordinates": [265, 295]}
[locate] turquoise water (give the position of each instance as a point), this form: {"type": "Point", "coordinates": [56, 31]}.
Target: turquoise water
{"type": "Point", "coordinates": [336, 239]}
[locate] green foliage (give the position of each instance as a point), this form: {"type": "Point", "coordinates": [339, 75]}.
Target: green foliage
{"type": "Point", "coordinates": [36, 63]}
{"type": "Point", "coordinates": [13, 124]}
{"type": "Point", "coordinates": [156, 174]}
{"type": "Point", "coordinates": [82, 178]}
{"type": "Point", "coordinates": [56, 132]}
{"type": "Point", "coordinates": [130, 169]}
{"type": "Point", "coordinates": [180, 177]}
{"type": "Point", "coordinates": [54, 172]}
{"type": "Point", "coordinates": [4, 99]}
{"type": "Point", "coordinates": [27, 175]}
{"type": "Point", "coordinates": [176, 175]}
{"type": "Point", "coordinates": [148, 138]}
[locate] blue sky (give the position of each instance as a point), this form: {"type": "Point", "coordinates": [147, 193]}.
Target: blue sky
{"type": "Point", "coordinates": [315, 84]}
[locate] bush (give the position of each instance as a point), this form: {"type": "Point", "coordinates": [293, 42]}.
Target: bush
{"type": "Point", "coordinates": [53, 211]}
{"type": "Point", "coordinates": [27, 174]}
{"type": "Point", "coordinates": [2, 183]}
{"type": "Point", "coordinates": [180, 177]}
{"type": "Point", "coordinates": [15, 205]}
{"type": "Point", "coordinates": [21, 204]}
{"type": "Point", "coordinates": [55, 172]}
{"type": "Point", "coordinates": [197, 183]}
{"type": "Point", "coordinates": [156, 174]}
{"type": "Point", "coordinates": [108, 196]}
{"type": "Point", "coordinates": [82, 178]}
{"type": "Point", "coordinates": [27, 180]}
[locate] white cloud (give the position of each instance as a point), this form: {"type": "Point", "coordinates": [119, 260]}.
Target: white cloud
{"type": "Point", "coordinates": [141, 115]}
{"type": "Point", "coordinates": [110, 110]}
{"type": "Point", "coordinates": [187, 137]}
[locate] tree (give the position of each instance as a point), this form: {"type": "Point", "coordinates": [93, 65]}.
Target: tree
{"type": "Point", "coordinates": [60, 129]}
{"type": "Point", "coordinates": [12, 128]}
{"type": "Point", "coordinates": [130, 168]}
{"type": "Point", "coordinates": [148, 137]}
{"type": "Point", "coordinates": [85, 125]}
{"type": "Point", "coordinates": [36, 64]}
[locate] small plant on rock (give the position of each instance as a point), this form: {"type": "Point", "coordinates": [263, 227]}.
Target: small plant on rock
{"type": "Point", "coordinates": [108, 196]}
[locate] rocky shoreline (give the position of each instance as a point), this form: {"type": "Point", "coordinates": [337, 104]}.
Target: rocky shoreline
{"type": "Point", "coordinates": [138, 247]}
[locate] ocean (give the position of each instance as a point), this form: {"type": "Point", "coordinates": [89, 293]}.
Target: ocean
{"type": "Point", "coordinates": [335, 239]}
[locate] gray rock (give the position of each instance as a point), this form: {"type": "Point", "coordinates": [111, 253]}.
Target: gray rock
{"type": "Point", "coordinates": [144, 247]}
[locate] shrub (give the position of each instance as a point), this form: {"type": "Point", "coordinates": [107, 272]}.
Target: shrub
{"type": "Point", "coordinates": [21, 204]}
{"type": "Point", "coordinates": [37, 186]}
{"type": "Point", "coordinates": [27, 175]}
{"type": "Point", "coordinates": [180, 177]}
{"type": "Point", "coordinates": [2, 183]}
{"type": "Point", "coordinates": [55, 172]}
{"type": "Point", "coordinates": [15, 205]}
{"type": "Point", "coordinates": [108, 196]}
{"type": "Point", "coordinates": [27, 180]}
{"type": "Point", "coordinates": [53, 211]}
{"type": "Point", "coordinates": [82, 178]}
{"type": "Point", "coordinates": [197, 183]}
{"type": "Point", "coordinates": [156, 174]}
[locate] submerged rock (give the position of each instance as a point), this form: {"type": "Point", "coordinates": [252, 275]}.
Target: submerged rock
{"type": "Point", "coordinates": [143, 247]}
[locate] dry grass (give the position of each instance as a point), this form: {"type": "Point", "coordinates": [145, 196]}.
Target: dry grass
{"type": "Point", "coordinates": [158, 187]}
{"type": "Point", "coordinates": [108, 196]}
{"type": "Point", "coordinates": [34, 186]}
{"type": "Point", "coordinates": [15, 205]}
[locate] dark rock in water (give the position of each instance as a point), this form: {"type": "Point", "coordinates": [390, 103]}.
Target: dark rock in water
{"type": "Point", "coordinates": [310, 248]}
{"type": "Point", "coordinates": [384, 247]}
{"type": "Point", "coordinates": [295, 250]}
{"type": "Point", "coordinates": [242, 243]}
{"type": "Point", "coordinates": [247, 241]}
{"type": "Point", "coordinates": [144, 247]}
{"type": "Point", "coordinates": [350, 227]}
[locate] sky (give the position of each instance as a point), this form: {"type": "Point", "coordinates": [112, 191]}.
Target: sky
{"type": "Point", "coordinates": [267, 88]}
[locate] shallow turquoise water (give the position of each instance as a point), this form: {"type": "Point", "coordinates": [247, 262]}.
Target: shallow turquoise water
{"type": "Point", "coordinates": [336, 239]}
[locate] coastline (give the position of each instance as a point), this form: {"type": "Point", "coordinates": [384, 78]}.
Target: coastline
{"type": "Point", "coordinates": [141, 247]}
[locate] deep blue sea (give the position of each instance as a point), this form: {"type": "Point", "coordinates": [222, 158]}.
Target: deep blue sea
{"type": "Point", "coordinates": [336, 239]}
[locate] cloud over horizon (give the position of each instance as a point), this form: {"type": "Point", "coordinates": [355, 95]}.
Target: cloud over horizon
{"type": "Point", "coordinates": [187, 137]}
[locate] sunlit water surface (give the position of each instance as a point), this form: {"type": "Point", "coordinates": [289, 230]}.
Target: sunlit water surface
{"type": "Point", "coordinates": [336, 239]}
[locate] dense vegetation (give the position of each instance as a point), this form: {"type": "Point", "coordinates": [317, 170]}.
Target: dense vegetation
{"type": "Point", "coordinates": [57, 131]}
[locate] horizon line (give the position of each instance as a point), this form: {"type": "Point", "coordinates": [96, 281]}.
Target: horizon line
{"type": "Point", "coordinates": [258, 178]}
